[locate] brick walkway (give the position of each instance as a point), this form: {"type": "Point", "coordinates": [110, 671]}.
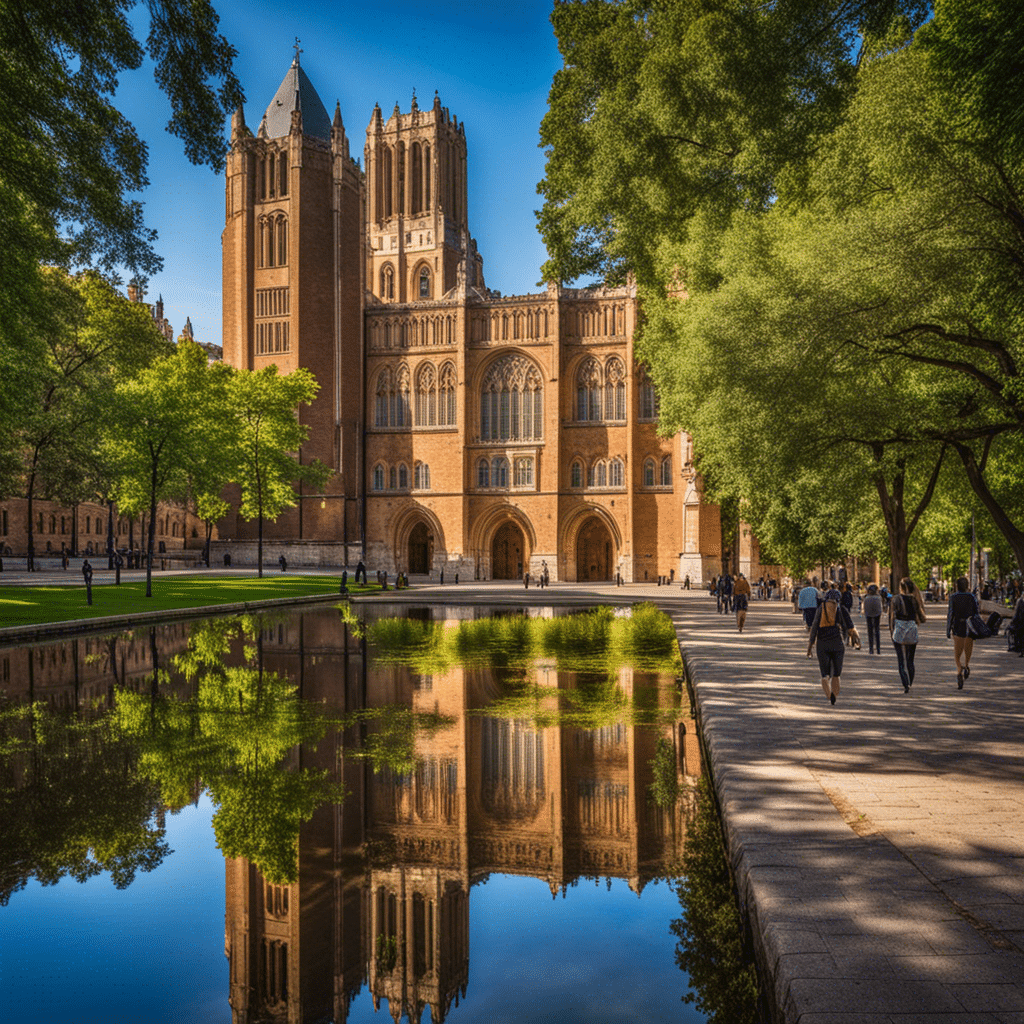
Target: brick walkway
{"type": "Point", "coordinates": [879, 844]}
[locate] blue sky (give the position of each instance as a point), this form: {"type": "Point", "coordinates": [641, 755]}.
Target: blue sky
{"type": "Point", "coordinates": [492, 66]}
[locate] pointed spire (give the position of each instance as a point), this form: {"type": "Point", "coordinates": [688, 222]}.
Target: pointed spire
{"type": "Point", "coordinates": [337, 125]}
{"type": "Point", "coordinates": [238, 128]}
{"type": "Point", "coordinates": [263, 133]}
{"type": "Point", "coordinates": [415, 106]}
{"type": "Point", "coordinates": [396, 112]}
{"type": "Point", "coordinates": [187, 329]}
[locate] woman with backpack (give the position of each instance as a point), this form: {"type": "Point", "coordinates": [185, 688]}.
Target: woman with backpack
{"type": "Point", "coordinates": [906, 611]}
{"type": "Point", "coordinates": [829, 629]}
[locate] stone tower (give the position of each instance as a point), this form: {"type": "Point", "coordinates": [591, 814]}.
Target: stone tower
{"type": "Point", "coordinates": [418, 244]}
{"type": "Point", "coordinates": [293, 288]}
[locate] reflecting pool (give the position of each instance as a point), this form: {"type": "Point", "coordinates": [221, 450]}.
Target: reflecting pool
{"type": "Point", "coordinates": [436, 813]}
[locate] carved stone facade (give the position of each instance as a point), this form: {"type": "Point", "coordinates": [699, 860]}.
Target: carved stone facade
{"type": "Point", "coordinates": [468, 431]}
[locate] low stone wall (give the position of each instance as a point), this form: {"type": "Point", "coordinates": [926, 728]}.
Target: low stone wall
{"type": "Point", "coordinates": [334, 554]}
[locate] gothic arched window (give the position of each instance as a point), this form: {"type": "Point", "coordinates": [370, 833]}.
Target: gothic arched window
{"type": "Point", "coordinates": [281, 230]}
{"type": "Point", "coordinates": [384, 388]}
{"type": "Point", "coordinates": [615, 390]}
{"type": "Point", "coordinates": [649, 473]}
{"type": "Point", "coordinates": [421, 477]}
{"type": "Point", "coordinates": [378, 477]}
{"type": "Point", "coordinates": [615, 473]}
{"type": "Point", "coordinates": [424, 279]}
{"type": "Point", "coordinates": [403, 477]}
{"type": "Point", "coordinates": [446, 396]}
{"type": "Point", "coordinates": [387, 282]}
{"type": "Point", "coordinates": [282, 174]}
{"type": "Point", "coordinates": [576, 474]}
{"type": "Point", "coordinates": [588, 391]}
{"type": "Point", "coordinates": [648, 397]}
{"type": "Point", "coordinates": [483, 473]}
{"type": "Point", "coordinates": [499, 472]}
{"type": "Point", "coordinates": [401, 417]}
{"type": "Point", "coordinates": [511, 401]}
{"type": "Point", "coordinates": [426, 396]}
{"type": "Point", "coordinates": [666, 471]}
{"type": "Point", "coordinates": [523, 476]}
{"type": "Point", "coordinates": [392, 478]}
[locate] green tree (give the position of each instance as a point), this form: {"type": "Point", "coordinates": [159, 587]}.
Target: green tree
{"type": "Point", "coordinates": [74, 802]}
{"type": "Point", "coordinates": [854, 198]}
{"type": "Point", "coordinates": [93, 337]}
{"type": "Point", "coordinates": [162, 422]}
{"type": "Point", "coordinates": [268, 432]}
{"type": "Point", "coordinates": [665, 112]}
{"type": "Point", "coordinates": [69, 160]}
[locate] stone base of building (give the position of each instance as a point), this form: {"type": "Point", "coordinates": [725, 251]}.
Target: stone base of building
{"type": "Point", "coordinates": [304, 553]}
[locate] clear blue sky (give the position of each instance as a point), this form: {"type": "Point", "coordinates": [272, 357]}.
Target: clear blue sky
{"type": "Point", "coordinates": [492, 66]}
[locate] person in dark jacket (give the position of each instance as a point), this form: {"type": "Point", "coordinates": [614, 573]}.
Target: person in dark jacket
{"type": "Point", "coordinates": [962, 605]}
{"type": "Point", "coordinates": [828, 633]}
{"type": "Point", "coordinates": [872, 608]}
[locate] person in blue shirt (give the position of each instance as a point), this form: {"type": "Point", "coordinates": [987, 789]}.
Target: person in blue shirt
{"type": "Point", "coordinates": [807, 601]}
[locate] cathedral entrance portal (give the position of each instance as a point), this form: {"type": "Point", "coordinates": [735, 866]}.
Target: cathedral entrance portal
{"type": "Point", "coordinates": [421, 549]}
{"type": "Point", "coordinates": [594, 553]}
{"type": "Point", "coordinates": [508, 560]}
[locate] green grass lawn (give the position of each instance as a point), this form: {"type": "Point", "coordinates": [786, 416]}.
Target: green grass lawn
{"type": "Point", "coordinates": [24, 606]}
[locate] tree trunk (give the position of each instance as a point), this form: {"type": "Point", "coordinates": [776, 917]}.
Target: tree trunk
{"type": "Point", "coordinates": [259, 543]}
{"type": "Point", "coordinates": [1014, 537]}
{"type": "Point", "coordinates": [151, 542]}
{"type": "Point", "coordinates": [110, 534]}
{"type": "Point", "coordinates": [30, 558]}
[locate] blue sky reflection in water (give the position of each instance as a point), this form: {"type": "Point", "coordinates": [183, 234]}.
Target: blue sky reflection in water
{"type": "Point", "coordinates": [155, 951]}
{"type": "Point", "coordinates": [151, 953]}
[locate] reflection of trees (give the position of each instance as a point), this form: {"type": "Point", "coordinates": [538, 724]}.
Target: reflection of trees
{"type": "Point", "coordinates": [74, 801]}
{"type": "Point", "coordinates": [233, 735]}
{"type": "Point", "coordinates": [597, 642]}
{"type": "Point", "coordinates": [710, 948]}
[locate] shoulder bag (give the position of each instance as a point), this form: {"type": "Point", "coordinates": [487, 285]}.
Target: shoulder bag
{"type": "Point", "coordinates": [904, 630]}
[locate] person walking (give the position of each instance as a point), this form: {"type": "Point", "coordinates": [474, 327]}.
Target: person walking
{"type": "Point", "coordinates": [807, 602]}
{"type": "Point", "coordinates": [871, 606]}
{"type": "Point", "coordinates": [962, 605]}
{"type": "Point", "coordinates": [740, 600]}
{"type": "Point", "coordinates": [726, 584]}
{"type": "Point", "coordinates": [906, 611]}
{"type": "Point", "coordinates": [846, 600]}
{"type": "Point", "coordinates": [827, 638]}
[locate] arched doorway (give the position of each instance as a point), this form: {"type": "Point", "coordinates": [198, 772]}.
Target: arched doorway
{"type": "Point", "coordinates": [594, 552]}
{"type": "Point", "coordinates": [508, 553]}
{"type": "Point", "coordinates": [421, 549]}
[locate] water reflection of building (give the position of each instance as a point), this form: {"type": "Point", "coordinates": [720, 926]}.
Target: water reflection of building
{"type": "Point", "coordinates": [382, 896]}
{"type": "Point", "coordinates": [73, 674]}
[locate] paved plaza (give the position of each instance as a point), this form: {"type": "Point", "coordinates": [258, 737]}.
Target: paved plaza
{"type": "Point", "coordinates": [878, 845]}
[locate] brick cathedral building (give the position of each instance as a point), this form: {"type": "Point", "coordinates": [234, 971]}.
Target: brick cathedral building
{"type": "Point", "coordinates": [468, 431]}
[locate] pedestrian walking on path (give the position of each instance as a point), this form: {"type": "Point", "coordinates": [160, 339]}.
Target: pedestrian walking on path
{"type": "Point", "coordinates": [740, 600]}
{"type": "Point", "coordinates": [829, 629]}
{"type": "Point", "coordinates": [872, 608]}
{"type": "Point", "coordinates": [808, 602]}
{"type": "Point", "coordinates": [962, 606]}
{"type": "Point", "coordinates": [906, 610]}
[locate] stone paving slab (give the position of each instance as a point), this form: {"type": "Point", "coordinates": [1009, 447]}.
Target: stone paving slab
{"type": "Point", "coordinates": [878, 844]}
